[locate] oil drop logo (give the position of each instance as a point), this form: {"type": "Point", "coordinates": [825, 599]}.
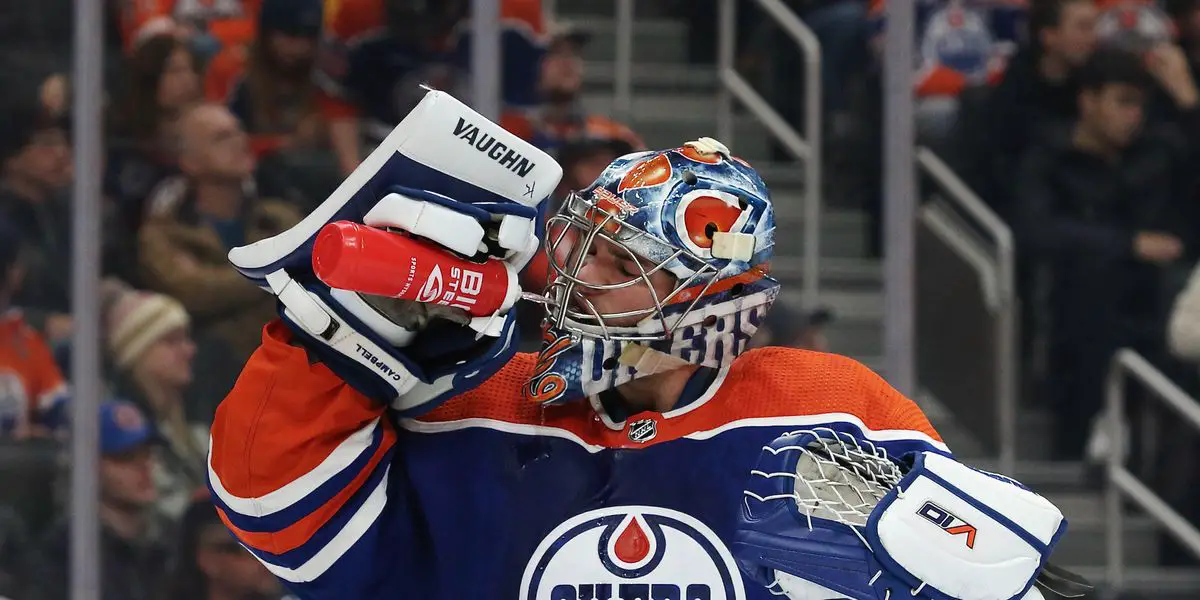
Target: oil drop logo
{"type": "Point", "coordinates": [632, 552]}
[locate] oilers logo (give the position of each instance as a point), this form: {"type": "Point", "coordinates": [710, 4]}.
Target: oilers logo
{"type": "Point", "coordinates": [632, 552]}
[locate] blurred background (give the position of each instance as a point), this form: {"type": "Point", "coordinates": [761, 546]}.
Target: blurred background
{"type": "Point", "coordinates": [1043, 229]}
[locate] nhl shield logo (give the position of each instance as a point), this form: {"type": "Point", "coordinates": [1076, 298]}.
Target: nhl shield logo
{"type": "Point", "coordinates": [632, 552]}
{"type": "Point", "coordinates": [643, 430]}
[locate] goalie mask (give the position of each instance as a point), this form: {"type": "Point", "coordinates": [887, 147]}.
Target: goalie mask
{"type": "Point", "coordinates": [692, 230]}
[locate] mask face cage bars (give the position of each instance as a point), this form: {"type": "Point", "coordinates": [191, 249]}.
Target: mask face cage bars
{"type": "Point", "coordinates": [578, 224]}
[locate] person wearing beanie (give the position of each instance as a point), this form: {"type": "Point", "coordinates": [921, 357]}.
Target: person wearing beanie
{"type": "Point", "coordinates": [32, 389]}
{"type": "Point", "coordinates": [150, 351]}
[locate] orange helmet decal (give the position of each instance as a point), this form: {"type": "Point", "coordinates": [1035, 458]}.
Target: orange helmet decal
{"type": "Point", "coordinates": [648, 173]}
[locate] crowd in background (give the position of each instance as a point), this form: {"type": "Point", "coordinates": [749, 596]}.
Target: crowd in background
{"type": "Point", "coordinates": [226, 121]}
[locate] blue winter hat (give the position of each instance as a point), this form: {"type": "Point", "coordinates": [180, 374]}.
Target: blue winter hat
{"type": "Point", "coordinates": [123, 427]}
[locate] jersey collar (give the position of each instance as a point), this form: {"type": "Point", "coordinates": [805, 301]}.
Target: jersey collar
{"type": "Point", "coordinates": [699, 389]}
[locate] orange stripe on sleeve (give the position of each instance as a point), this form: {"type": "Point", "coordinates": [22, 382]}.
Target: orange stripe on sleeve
{"type": "Point", "coordinates": [283, 417]}
{"type": "Point", "coordinates": [297, 534]}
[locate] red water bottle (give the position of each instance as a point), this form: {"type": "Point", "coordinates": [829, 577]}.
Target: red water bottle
{"type": "Point", "coordinates": [355, 257]}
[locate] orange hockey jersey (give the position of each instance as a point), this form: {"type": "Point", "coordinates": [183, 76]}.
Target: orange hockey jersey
{"type": "Point", "coordinates": [31, 385]}
{"type": "Point", "coordinates": [494, 496]}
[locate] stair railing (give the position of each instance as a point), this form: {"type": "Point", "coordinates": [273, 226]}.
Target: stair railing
{"type": "Point", "coordinates": [806, 150]}
{"type": "Point", "coordinates": [996, 271]}
{"type": "Point", "coordinates": [1123, 484]}
{"type": "Point", "coordinates": [623, 61]}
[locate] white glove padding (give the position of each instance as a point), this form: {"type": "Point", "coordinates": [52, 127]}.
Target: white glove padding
{"type": "Point", "coordinates": [828, 513]}
{"type": "Point", "coordinates": [449, 175]}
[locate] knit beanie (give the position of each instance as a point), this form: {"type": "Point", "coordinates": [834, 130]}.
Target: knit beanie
{"type": "Point", "coordinates": [137, 319]}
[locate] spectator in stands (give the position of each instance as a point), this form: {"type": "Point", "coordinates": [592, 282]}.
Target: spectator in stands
{"type": "Point", "coordinates": [206, 26]}
{"type": "Point", "coordinates": [134, 554]}
{"type": "Point", "coordinates": [271, 87]}
{"type": "Point", "coordinates": [1037, 87]}
{"type": "Point", "coordinates": [960, 45]}
{"type": "Point", "coordinates": [32, 390]}
{"type": "Point", "coordinates": [151, 352]}
{"type": "Point", "coordinates": [379, 53]}
{"type": "Point", "coordinates": [371, 68]}
{"type": "Point", "coordinates": [161, 79]}
{"type": "Point", "coordinates": [35, 172]}
{"type": "Point", "coordinates": [194, 220]}
{"type": "Point", "coordinates": [1094, 204]}
{"type": "Point", "coordinates": [212, 565]}
{"type": "Point", "coordinates": [562, 117]}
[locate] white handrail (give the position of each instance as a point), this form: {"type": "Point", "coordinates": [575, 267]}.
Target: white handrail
{"type": "Point", "coordinates": [968, 200]}
{"type": "Point", "coordinates": [799, 148]}
{"type": "Point", "coordinates": [806, 149]}
{"type": "Point", "coordinates": [1124, 484]}
{"type": "Point", "coordinates": [1005, 365]}
{"type": "Point", "coordinates": [941, 222]}
{"type": "Point", "coordinates": [623, 67]}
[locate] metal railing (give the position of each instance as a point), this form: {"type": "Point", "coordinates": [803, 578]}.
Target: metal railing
{"type": "Point", "coordinates": [997, 276]}
{"type": "Point", "coordinates": [1124, 484]}
{"type": "Point", "coordinates": [807, 151]}
{"type": "Point", "coordinates": [623, 61]}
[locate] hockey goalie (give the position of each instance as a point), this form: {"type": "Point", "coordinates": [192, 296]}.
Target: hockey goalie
{"type": "Point", "coordinates": [386, 440]}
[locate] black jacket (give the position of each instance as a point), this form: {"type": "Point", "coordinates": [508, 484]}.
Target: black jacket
{"type": "Point", "coordinates": [1021, 104]}
{"type": "Point", "coordinates": [1070, 204]}
{"type": "Point", "coordinates": [46, 234]}
{"type": "Point", "coordinates": [1078, 214]}
{"type": "Point", "coordinates": [129, 571]}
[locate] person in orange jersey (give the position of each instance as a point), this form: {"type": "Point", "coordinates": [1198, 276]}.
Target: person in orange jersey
{"type": "Point", "coordinates": [33, 393]}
